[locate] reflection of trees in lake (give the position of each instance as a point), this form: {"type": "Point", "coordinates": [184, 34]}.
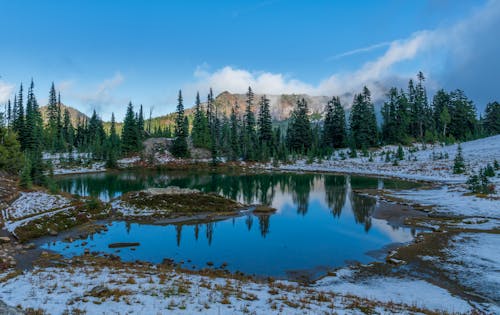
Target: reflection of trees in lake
{"type": "Point", "coordinates": [264, 224]}
{"type": "Point", "coordinates": [209, 232]}
{"type": "Point", "coordinates": [300, 187]}
{"type": "Point", "coordinates": [249, 221]}
{"type": "Point", "coordinates": [178, 233]}
{"type": "Point", "coordinates": [335, 193]}
{"type": "Point", "coordinates": [363, 207]}
{"type": "Point", "coordinates": [196, 231]}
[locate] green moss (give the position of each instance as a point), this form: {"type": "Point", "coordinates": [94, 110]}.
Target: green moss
{"type": "Point", "coordinates": [80, 213]}
{"type": "Point", "coordinates": [189, 203]}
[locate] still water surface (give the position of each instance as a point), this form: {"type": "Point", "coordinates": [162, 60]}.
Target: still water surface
{"type": "Point", "coordinates": [321, 223]}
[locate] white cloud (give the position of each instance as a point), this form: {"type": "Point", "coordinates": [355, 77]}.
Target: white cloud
{"type": "Point", "coordinates": [102, 98]}
{"type": "Point", "coordinates": [442, 46]}
{"type": "Point", "coordinates": [5, 91]}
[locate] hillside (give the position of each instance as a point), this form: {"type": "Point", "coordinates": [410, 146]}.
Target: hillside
{"type": "Point", "coordinates": [75, 114]}
{"type": "Point", "coordinates": [281, 105]}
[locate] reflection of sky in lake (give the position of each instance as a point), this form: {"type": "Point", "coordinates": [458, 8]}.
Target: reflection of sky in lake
{"type": "Point", "coordinates": [320, 223]}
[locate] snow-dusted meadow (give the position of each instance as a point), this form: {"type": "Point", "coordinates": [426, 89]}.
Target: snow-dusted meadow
{"type": "Point", "coordinates": [471, 257]}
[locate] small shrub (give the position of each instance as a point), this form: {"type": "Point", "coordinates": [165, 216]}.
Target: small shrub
{"type": "Point", "coordinates": [496, 165]}
{"type": "Point", "coordinates": [459, 162]}
{"type": "Point", "coordinates": [489, 171]}
{"type": "Point", "coordinates": [400, 154]}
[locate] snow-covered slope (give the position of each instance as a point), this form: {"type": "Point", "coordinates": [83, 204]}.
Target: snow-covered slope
{"type": "Point", "coordinates": [421, 162]}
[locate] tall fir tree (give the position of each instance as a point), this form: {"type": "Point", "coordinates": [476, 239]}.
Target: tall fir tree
{"type": "Point", "coordinates": [200, 133]}
{"type": "Point", "coordinates": [129, 131]}
{"type": "Point", "coordinates": [334, 130]}
{"type": "Point", "coordinates": [112, 145]}
{"type": "Point", "coordinates": [362, 121]}
{"type": "Point", "coordinates": [235, 130]}
{"type": "Point", "coordinates": [179, 147]}
{"type": "Point", "coordinates": [299, 134]}
{"type": "Point", "coordinates": [492, 119]}
{"type": "Point", "coordinates": [18, 123]}
{"type": "Point", "coordinates": [264, 123]}
{"type": "Point", "coordinates": [250, 135]}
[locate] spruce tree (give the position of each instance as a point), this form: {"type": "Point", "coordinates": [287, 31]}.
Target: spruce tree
{"type": "Point", "coordinates": [334, 130]}
{"type": "Point", "coordinates": [299, 134]}
{"type": "Point", "coordinates": [179, 147]}
{"type": "Point", "coordinates": [140, 124]}
{"type": "Point", "coordinates": [18, 123]}
{"type": "Point", "coordinates": [492, 119]}
{"type": "Point", "coordinates": [68, 131]}
{"type": "Point", "coordinates": [459, 162]}
{"type": "Point", "coordinates": [129, 131]}
{"type": "Point", "coordinates": [235, 134]}
{"type": "Point", "coordinates": [362, 121]}
{"type": "Point", "coordinates": [200, 133]}
{"type": "Point", "coordinates": [113, 145]}
{"type": "Point", "coordinates": [250, 136]}
{"type": "Point", "coordinates": [463, 121]}
{"type": "Point", "coordinates": [265, 122]}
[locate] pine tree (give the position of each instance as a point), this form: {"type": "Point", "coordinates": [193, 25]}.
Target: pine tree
{"type": "Point", "coordinates": [463, 116]}
{"type": "Point", "coordinates": [129, 131]}
{"type": "Point", "coordinates": [179, 147]}
{"type": "Point", "coordinates": [140, 124]}
{"type": "Point", "coordinates": [18, 123]}
{"type": "Point", "coordinates": [459, 163]}
{"type": "Point", "coordinates": [200, 133]}
{"type": "Point", "coordinates": [235, 134]}
{"type": "Point", "coordinates": [363, 123]}
{"type": "Point", "coordinates": [299, 134]}
{"type": "Point", "coordinates": [492, 119]}
{"type": "Point", "coordinates": [334, 131]}
{"type": "Point", "coordinates": [250, 136]}
{"type": "Point", "coordinates": [68, 131]}
{"type": "Point", "coordinates": [265, 123]}
{"type": "Point", "coordinates": [113, 145]}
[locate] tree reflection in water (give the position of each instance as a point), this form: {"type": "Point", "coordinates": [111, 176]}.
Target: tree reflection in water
{"type": "Point", "coordinates": [247, 188]}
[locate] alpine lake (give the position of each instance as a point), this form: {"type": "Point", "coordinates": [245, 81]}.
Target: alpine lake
{"type": "Point", "coordinates": [322, 222]}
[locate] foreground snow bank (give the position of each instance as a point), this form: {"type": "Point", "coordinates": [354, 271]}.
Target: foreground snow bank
{"type": "Point", "coordinates": [473, 259]}
{"type": "Point", "coordinates": [105, 291]}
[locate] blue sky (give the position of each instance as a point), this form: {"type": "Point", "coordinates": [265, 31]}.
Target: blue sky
{"type": "Point", "coordinates": [101, 54]}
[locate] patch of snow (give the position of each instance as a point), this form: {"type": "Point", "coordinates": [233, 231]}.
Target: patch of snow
{"type": "Point", "coordinates": [452, 200]}
{"type": "Point", "coordinates": [59, 290]}
{"type": "Point", "coordinates": [429, 162]}
{"type": "Point", "coordinates": [389, 289]}
{"type": "Point", "coordinates": [31, 206]}
{"type": "Point", "coordinates": [32, 203]}
{"type": "Point", "coordinates": [94, 168]}
{"type": "Point", "coordinates": [473, 259]}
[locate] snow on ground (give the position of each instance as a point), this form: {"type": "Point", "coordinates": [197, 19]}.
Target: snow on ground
{"type": "Point", "coordinates": [150, 291]}
{"type": "Point", "coordinates": [32, 203]}
{"type": "Point", "coordinates": [386, 289]}
{"type": "Point", "coordinates": [129, 210]}
{"type": "Point", "coordinates": [430, 163]}
{"type": "Point", "coordinates": [452, 200]}
{"type": "Point", "coordinates": [93, 168]}
{"type": "Point", "coordinates": [31, 206]}
{"type": "Point", "coordinates": [473, 259]}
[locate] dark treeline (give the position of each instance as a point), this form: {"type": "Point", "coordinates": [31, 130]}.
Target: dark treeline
{"type": "Point", "coordinates": [408, 115]}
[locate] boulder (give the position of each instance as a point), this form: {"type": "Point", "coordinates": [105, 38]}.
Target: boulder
{"type": "Point", "coordinates": [4, 239]}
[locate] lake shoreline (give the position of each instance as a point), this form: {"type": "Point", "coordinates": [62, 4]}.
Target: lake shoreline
{"type": "Point", "coordinates": [404, 255]}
